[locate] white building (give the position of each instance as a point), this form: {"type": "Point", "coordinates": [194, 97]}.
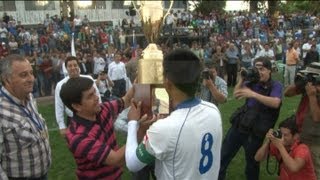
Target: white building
{"type": "Point", "coordinates": [34, 12]}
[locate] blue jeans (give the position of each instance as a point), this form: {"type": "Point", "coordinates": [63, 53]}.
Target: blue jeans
{"type": "Point", "coordinates": [231, 145]}
{"type": "Point", "coordinates": [40, 83]}
{"type": "Point", "coordinates": [35, 91]}
{"type": "Point", "coordinates": [27, 49]}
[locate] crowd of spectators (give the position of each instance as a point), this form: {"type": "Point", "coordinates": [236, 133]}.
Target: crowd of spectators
{"type": "Point", "coordinates": [231, 39]}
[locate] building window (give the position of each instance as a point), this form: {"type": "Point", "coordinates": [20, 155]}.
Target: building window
{"type": "Point", "coordinates": [39, 5]}
{"type": "Point", "coordinates": [118, 4]}
{"type": "Point", "coordinates": [7, 5]}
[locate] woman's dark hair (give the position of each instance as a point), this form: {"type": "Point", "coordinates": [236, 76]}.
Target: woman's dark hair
{"type": "Point", "coordinates": [182, 67]}
{"type": "Point", "coordinates": [72, 91]}
{"type": "Point", "coordinates": [290, 123]}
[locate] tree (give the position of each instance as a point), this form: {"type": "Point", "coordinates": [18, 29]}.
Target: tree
{"type": "Point", "coordinates": [300, 6]}
{"type": "Point", "coordinates": [205, 7]}
{"type": "Point", "coordinates": [273, 6]}
{"type": "Point", "coordinates": [253, 6]}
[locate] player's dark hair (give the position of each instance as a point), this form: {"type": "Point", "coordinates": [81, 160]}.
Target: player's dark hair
{"type": "Point", "coordinates": [182, 67]}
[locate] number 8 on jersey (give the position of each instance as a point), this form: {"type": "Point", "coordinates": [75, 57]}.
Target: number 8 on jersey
{"type": "Point", "coordinates": [207, 157]}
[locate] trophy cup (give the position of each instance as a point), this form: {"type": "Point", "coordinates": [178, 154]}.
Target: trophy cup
{"type": "Point", "coordinates": [149, 89]}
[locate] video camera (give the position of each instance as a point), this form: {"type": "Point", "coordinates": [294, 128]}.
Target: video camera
{"type": "Point", "coordinates": [302, 79]}
{"type": "Point", "coordinates": [251, 74]}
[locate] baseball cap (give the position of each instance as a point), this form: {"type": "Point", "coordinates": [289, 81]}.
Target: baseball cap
{"type": "Point", "coordinates": [313, 68]}
{"type": "Point", "coordinates": [262, 61]}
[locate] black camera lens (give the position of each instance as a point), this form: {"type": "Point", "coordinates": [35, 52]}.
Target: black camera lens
{"type": "Point", "coordinates": [206, 74]}
{"type": "Point", "coordinates": [301, 80]}
{"type": "Point", "coordinates": [277, 133]}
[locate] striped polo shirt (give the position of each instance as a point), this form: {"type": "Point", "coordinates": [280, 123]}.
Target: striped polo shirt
{"type": "Point", "coordinates": [91, 142]}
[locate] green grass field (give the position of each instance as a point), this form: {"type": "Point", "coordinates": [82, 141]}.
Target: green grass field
{"type": "Point", "coordinates": [63, 165]}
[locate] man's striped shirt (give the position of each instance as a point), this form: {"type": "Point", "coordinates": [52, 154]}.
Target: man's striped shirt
{"type": "Point", "coordinates": [91, 142]}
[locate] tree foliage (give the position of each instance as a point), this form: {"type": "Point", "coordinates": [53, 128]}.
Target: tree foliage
{"type": "Point", "coordinates": [205, 7]}
{"type": "Point", "coordinates": [312, 7]}
{"type": "Point", "coordinates": [285, 7]}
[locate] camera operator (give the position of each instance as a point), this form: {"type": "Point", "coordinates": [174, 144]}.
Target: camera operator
{"type": "Point", "coordinates": [307, 84]}
{"type": "Point", "coordinates": [213, 88]}
{"type": "Point", "coordinates": [251, 122]}
{"type": "Point", "coordinates": [294, 157]}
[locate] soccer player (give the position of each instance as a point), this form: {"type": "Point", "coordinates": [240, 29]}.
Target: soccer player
{"type": "Point", "coordinates": [186, 144]}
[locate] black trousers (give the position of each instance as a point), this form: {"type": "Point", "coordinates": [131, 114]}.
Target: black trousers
{"type": "Point", "coordinates": [232, 142]}
{"type": "Point", "coordinates": [232, 70]}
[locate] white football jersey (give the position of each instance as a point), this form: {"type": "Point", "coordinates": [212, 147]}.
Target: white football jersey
{"type": "Point", "coordinates": [187, 143]}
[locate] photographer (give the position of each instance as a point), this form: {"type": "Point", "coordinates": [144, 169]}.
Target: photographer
{"type": "Point", "coordinates": [213, 88]}
{"type": "Point", "coordinates": [251, 121]}
{"type": "Point", "coordinates": [294, 157]}
{"type": "Point", "coordinates": [307, 83]}
{"type": "Point", "coordinates": [104, 85]}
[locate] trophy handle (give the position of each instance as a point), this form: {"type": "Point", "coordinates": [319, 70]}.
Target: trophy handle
{"type": "Point", "coordinates": [168, 11]}
{"type": "Point", "coordinates": [135, 7]}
